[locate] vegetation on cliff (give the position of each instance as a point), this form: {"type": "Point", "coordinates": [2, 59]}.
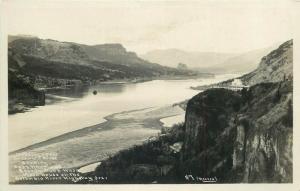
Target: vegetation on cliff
{"type": "Point", "coordinates": [239, 141]}
{"type": "Point", "coordinates": [274, 67]}
{"type": "Point", "coordinates": [22, 94]}
{"type": "Point", "coordinates": [71, 61]}
{"type": "Point", "coordinates": [228, 136]}
{"type": "Point", "coordinates": [49, 63]}
{"type": "Point", "coordinates": [231, 136]}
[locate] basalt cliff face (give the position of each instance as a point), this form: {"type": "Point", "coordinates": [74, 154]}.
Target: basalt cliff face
{"type": "Point", "coordinates": [240, 137]}
{"type": "Point", "coordinates": [246, 135]}
{"type": "Point", "coordinates": [228, 137]}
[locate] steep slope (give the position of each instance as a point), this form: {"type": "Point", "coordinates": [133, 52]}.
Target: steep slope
{"type": "Point", "coordinates": [243, 136]}
{"type": "Point", "coordinates": [55, 61]}
{"type": "Point", "coordinates": [115, 53]}
{"type": "Point", "coordinates": [240, 137]}
{"type": "Point", "coordinates": [73, 53]}
{"type": "Point", "coordinates": [274, 67]}
{"type": "Point", "coordinates": [49, 50]}
{"type": "Point", "coordinates": [50, 63]}
{"type": "Point", "coordinates": [242, 63]}
{"type": "Point", "coordinates": [227, 137]}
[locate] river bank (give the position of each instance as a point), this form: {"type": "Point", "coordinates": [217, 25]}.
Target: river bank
{"type": "Point", "coordinates": [93, 144]}
{"type": "Point", "coordinates": [57, 129]}
{"type": "Point", "coordinates": [75, 108]}
{"type": "Point", "coordinates": [49, 98]}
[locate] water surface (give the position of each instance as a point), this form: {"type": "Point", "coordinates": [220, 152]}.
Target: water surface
{"type": "Point", "coordinates": [79, 107]}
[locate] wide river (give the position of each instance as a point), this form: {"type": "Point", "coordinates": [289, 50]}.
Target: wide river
{"type": "Point", "coordinates": [78, 107]}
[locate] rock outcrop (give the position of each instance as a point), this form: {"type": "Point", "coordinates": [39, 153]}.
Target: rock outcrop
{"type": "Point", "coordinates": [240, 137]}
{"type": "Point", "coordinates": [22, 94]}
{"type": "Point", "coordinates": [275, 67]}
{"type": "Point", "coordinates": [246, 135]}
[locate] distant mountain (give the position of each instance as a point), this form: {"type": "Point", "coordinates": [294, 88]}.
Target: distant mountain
{"type": "Point", "coordinates": [67, 60]}
{"type": "Point", "coordinates": [73, 53]}
{"type": "Point", "coordinates": [276, 66]}
{"type": "Point", "coordinates": [171, 58]}
{"type": "Point", "coordinates": [209, 62]}
{"type": "Point", "coordinates": [114, 53]}
{"type": "Point", "coordinates": [241, 63]}
{"type": "Point", "coordinates": [37, 63]}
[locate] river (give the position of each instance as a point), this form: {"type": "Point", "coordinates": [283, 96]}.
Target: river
{"type": "Point", "coordinates": [77, 108]}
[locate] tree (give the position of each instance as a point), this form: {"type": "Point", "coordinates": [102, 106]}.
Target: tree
{"type": "Point", "coordinates": [182, 66]}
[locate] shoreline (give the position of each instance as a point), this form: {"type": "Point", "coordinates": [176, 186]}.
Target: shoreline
{"type": "Point", "coordinates": [164, 124]}
{"type": "Point", "coordinates": [144, 124]}
{"type": "Point", "coordinates": [52, 99]}
{"type": "Point", "coordinates": [122, 130]}
{"type": "Point", "coordinates": [137, 80]}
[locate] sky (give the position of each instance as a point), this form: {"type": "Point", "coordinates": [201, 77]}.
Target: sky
{"type": "Point", "coordinates": [142, 26]}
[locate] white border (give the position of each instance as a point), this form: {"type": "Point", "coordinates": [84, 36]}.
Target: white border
{"type": "Point", "coordinates": [4, 186]}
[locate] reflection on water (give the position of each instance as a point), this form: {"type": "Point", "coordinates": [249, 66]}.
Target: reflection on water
{"type": "Point", "coordinates": [72, 92]}
{"type": "Point", "coordinates": [88, 109]}
{"type": "Point", "coordinates": [79, 91]}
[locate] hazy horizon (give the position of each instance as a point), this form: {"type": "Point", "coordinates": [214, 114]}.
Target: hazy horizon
{"type": "Point", "coordinates": [145, 26]}
{"type": "Point", "coordinates": [153, 50]}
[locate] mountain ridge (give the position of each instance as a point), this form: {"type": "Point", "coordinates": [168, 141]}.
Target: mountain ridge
{"type": "Point", "coordinates": [106, 57]}
{"type": "Point", "coordinates": [275, 66]}
{"type": "Point", "coordinates": [211, 62]}
{"type": "Point", "coordinates": [171, 57]}
{"type": "Point", "coordinates": [46, 63]}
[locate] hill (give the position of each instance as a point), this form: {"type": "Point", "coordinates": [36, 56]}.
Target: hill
{"type": "Point", "coordinates": [209, 62]}
{"type": "Point", "coordinates": [274, 67]}
{"type": "Point", "coordinates": [171, 58]}
{"type": "Point", "coordinates": [44, 63]}
{"type": "Point", "coordinates": [109, 61]}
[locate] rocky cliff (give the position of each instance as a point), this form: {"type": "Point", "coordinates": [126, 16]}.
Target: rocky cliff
{"type": "Point", "coordinates": [240, 136]}
{"type": "Point", "coordinates": [246, 135]}
{"type": "Point", "coordinates": [275, 67]}
{"type": "Point", "coordinates": [228, 137]}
